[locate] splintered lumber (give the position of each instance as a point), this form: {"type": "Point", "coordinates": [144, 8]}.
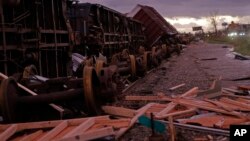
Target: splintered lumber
{"type": "Point", "coordinates": [160, 97]}
{"type": "Point", "coordinates": [171, 128]}
{"type": "Point", "coordinates": [192, 92]}
{"type": "Point", "coordinates": [8, 133]}
{"type": "Point", "coordinates": [50, 124]}
{"type": "Point", "coordinates": [72, 129]}
{"type": "Point", "coordinates": [220, 105]}
{"type": "Point", "coordinates": [52, 133]}
{"type": "Point", "coordinates": [229, 94]}
{"type": "Point", "coordinates": [32, 136]}
{"type": "Point", "coordinates": [115, 123]}
{"type": "Point", "coordinates": [184, 112]}
{"type": "Point", "coordinates": [80, 129]}
{"type": "Point", "coordinates": [118, 111]}
{"type": "Point", "coordinates": [176, 87]}
{"type": "Point", "coordinates": [233, 102]}
{"type": "Point", "coordinates": [91, 135]}
{"type": "Point", "coordinates": [139, 113]}
{"type": "Point", "coordinates": [172, 105]}
{"type": "Point", "coordinates": [243, 100]}
{"type": "Point", "coordinates": [169, 107]}
{"type": "Point", "coordinates": [247, 88]}
{"type": "Point", "coordinates": [196, 103]}
{"type": "Point", "coordinates": [144, 98]}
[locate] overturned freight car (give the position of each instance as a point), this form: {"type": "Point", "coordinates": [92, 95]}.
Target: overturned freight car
{"type": "Point", "coordinates": [35, 33]}
{"type": "Point", "coordinates": [99, 29]}
{"type": "Point", "coordinates": [157, 29]}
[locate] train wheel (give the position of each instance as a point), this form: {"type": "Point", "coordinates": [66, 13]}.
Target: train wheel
{"type": "Point", "coordinates": [164, 50]}
{"type": "Point", "coordinates": [125, 53]}
{"type": "Point", "coordinates": [115, 59]}
{"type": "Point", "coordinates": [133, 65]}
{"type": "Point", "coordinates": [8, 94]}
{"type": "Point", "coordinates": [154, 57]}
{"type": "Point", "coordinates": [146, 60]}
{"type": "Point", "coordinates": [154, 49]}
{"type": "Point", "coordinates": [29, 71]}
{"type": "Point", "coordinates": [98, 66]}
{"type": "Point", "coordinates": [91, 86]}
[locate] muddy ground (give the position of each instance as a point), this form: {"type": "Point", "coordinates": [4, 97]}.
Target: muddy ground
{"type": "Point", "coordinates": [189, 68]}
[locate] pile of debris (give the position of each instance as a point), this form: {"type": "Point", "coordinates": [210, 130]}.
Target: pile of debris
{"type": "Point", "coordinates": [214, 110]}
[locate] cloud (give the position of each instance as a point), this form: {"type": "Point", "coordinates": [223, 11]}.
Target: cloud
{"type": "Point", "coordinates": [185, 24]}
{"type": "Point", "coordinates": [184, 14]}
{"type": "Point", "coordinates": [171, 8]}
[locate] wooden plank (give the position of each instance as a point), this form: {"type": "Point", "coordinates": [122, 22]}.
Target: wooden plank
{"type": "Point", "coordinates": [229, 94]}
{"type": "Point", "coordinates": [172, 105]}
{"type": "Point", "coordinates": [50, 124]}
{"type": "Point", "coordinates": [247, 88]}
{"type": "Point", "coordinates": [172, 132]}
{"type": "Point", "coordinates": [91, 135]}
{"type": "Point", "coordinates": [191, 92]}
{"type": "Point", "coordinates": [80, 129]}
{"type": "Point", "coordinates": [233, 102]}
{"type": "Point", "coordinates": [184, 112]}
{"type": "Point", "coordinates": [140, 112]}
{"type": "Point", "coordinates": [32, 136]}
{"type": "Point", "coordinates": [190, 103]}
{"type": "Point", "coordinates": [51, 134]}
{"type": "Point", "coordinates": [115, 123]}
{"type": "Point", "coordinates": [176, 87]}
{"type": "Point", "coordinates": [144, 98]}
{"type": "Point", "coordinates": [220, 105]}
{"type": "Point", "coordinates": [243, 100]}
{"type": "Point", "coordinates": [8, 133]}
{"type": "Point", "coordinates": [118, 111]}
{"type": "Point", "coordinates": [169, 107]}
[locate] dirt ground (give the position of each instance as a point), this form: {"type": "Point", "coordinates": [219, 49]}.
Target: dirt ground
{"type": "Point", "coordinates": [189, 68]}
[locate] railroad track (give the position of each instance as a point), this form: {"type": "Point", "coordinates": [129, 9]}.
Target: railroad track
{"type": "Point", "coordinates": [200, 129]}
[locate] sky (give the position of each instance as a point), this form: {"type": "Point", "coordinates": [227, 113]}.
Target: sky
{"type": "Point", "coordinates": [185, 14]}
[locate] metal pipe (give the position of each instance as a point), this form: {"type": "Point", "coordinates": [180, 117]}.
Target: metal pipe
{"type": "Point", "coordinates": [50, 97]}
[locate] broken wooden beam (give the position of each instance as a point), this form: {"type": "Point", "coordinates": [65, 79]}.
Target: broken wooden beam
{"type": "Point", "coordinates": [172, 132]}
{"type": "Point", "coordinates": [52, 133]}
{"type": "Point", "coordinates": [144, 98]}
{"type": "Point", "coordinates": [119, 111]}
{"type": "Point", "coordinates": [5, 135]}
{"type": "Point", "coordinates": [192, 103]}
{"type": "Point", "coordinates": [176, 87]}
{"type": "Point", "coordinates": [80, 129]}
{"type": "Point", "coordinates": [234, 102]}
{"type": "Point", "coordinates": [32, 136]}
{"type": "Point", "coordinates": [174, 114]}
{"type": "Point", "coordinates": [50, 124]}
{"type": "Point", "coordinates": [139, 113]}
{"type": "Point", "coordinates": [91, 135]}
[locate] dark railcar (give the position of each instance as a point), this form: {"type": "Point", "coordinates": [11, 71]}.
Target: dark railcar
{"type": "Point", "coordinates": [100, 29]}
{"type": "Point", "coordinates": [35, 32]}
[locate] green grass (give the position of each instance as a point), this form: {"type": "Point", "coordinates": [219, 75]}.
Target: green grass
{"type": "Point", "coordinates": [241, 44]}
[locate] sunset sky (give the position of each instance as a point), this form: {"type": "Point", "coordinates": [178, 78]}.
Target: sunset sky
{"type": "Point", "coordinates": [184, 14]}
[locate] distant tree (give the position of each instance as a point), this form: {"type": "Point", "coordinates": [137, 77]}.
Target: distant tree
{"type": "Point", "coordinates": [213, 18]}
